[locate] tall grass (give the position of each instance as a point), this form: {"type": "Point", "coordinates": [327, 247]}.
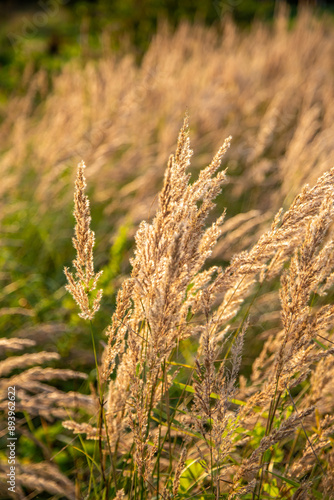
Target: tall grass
{"type": "Point", "coordinates": [166, 428]}
{"type": "Point", "coordinates": [212, 377]}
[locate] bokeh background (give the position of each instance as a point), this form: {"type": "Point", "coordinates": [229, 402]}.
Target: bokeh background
{"type": "Point", "coordinates": [109, 83]}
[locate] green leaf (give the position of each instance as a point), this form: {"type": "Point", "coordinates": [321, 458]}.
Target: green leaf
{"type": "Point", "coordinates": [180, 364]}
{"type": "Point", "coordinates": [285, 479]}
{"type": "Point", "coordinates": [213, 395]}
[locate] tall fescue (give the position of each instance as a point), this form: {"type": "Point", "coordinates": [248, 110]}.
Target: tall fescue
{"type": "Point", "coordinates": [170, 429]}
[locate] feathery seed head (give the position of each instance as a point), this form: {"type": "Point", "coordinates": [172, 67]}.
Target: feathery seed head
{"type": "Point", "coordinates": [85, 279]}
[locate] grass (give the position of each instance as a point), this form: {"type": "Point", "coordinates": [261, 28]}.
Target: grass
{"type": "Point", "coordinates": [240, 435]}
{"type": "Point", "coordinates": [206, 371]}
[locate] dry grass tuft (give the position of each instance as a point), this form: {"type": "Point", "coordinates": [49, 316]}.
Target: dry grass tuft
{"type": "Point", "coordinates": [161, 424]}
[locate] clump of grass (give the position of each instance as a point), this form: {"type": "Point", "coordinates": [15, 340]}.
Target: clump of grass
{"type": "Point", "coordinates": [173, 425]}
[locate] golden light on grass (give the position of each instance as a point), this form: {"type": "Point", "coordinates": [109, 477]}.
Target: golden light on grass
{"type": "Point", "coordinates": [171, 297]}
{"type": "Point", "coordinates": [85, 279]}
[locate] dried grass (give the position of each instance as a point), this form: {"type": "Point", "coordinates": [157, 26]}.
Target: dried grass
{"type": "Point", "coordinates": [171, 415]}
{"type": "Point", "coordinates": [170, 298]}
{"type": "Point", "coordinates": [271, 89]}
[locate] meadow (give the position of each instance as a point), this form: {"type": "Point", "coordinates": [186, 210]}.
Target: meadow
{"type": "Point", "coordinates": [187, 350]}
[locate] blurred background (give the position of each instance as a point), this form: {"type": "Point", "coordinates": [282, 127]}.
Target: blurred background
{"type": "Point", "coordinates": [50, 32]}
{"type": "Point", "coordinates": [109, 83]}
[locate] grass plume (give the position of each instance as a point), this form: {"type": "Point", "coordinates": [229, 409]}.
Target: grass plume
{"type": "Point", "coordinates": [154, 423]}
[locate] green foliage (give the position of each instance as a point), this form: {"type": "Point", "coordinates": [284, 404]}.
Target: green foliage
{"type": "Point", "coordinates": [117, 253]}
